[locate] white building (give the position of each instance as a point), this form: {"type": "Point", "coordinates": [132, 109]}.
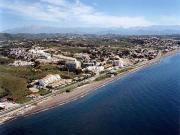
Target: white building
{"type": "Point", "coordinates": [2, 106]}
{"type": "Point", "coordinates": [7, 105]}
{"type": "Point", "coordinates": [37, 52]}
{"type": "Point", "coordinates": [95, 69]}
{"type": "Point", "coordinates": [70, 63]}
{"type": "Point", "coordinates": [21, 63]}
{"type": "Point", "coordinates": [49, 79]}
{"type": "Point", "coordinates": [52, 60]}
{"type": "Point", "coordinates": [118, 63]}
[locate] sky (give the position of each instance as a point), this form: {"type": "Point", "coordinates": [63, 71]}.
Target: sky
{"type": "Point", "coordinates": [88, 13]}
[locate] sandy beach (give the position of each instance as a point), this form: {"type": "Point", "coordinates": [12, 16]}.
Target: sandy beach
{"type": "Point", "coordinates": [60, 99]}
{"type": "Point", "coordinates": [86, 89]}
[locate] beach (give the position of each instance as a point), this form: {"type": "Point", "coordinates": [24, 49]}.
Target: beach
{"type": "Point", "coordinates": [63, 98]}
{"type": "Point", "coordinates": [87, 88]}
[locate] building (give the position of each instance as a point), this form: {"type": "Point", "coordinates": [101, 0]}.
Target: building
{"type": "Point", "coordinates": [88, 64]}
{"type": "Point", "coordinates": [49, 79]}
{"type": "Point", "coordinates": [60, 83]}
{"type": "Point", "coordinates": [83, 56]}
{"type": "Point", "coordinates": [118, 63]}
{"type": "Point", "coordinates": [64, 58]}
{"type": "Point", "coordinates": [95, 69]}
{"type": "Point", "coordinates": [21, 63]}
{"type": "Point", "coordinates": [37, 52]}
{"type": "Point", "coordinates": [7, 105]}
{"type": "Point", "coordinates": [71, 65]}
{"type": "Point", "coordinates": [2, 106]}
{"type": "Point", "coordinates": [52, 60]}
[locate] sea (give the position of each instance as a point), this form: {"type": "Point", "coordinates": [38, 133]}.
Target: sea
{"type": "Point", "coordinates": [146, 102]}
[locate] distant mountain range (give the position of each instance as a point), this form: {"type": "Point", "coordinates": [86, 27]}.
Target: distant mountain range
{"type": "Point", "coordinates": [151, 30]}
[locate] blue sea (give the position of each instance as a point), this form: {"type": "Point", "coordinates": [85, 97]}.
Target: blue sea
{"type": "Point", "coordinates": [143, 103]}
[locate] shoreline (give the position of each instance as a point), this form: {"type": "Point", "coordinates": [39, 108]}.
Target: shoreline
{"type": "Point", "coordinates": [77, 93]}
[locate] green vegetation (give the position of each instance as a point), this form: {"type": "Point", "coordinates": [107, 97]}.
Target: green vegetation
{"type": "Point", "coordinates": [6, 61]}
{"type": "Point", "coordinates": [14, 80]}
{"type": "Point", "coordinates": [125, 69]}
{"type": "Point", "coordinates": [43, 92]}
{"type": "Point", "coordinates": [101, 48]}
{"type": "Point", "coordinates": [102, 77]}
{"type": "Point", "coordinates": [30, 73]}
{"type": "Point", "coordinates": [14, 88]}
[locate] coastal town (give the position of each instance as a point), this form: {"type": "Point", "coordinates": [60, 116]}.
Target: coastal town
{"type": "Point", "coordinates": [34, 68]}
{"type": "Point", "coordinates": [89, 67]}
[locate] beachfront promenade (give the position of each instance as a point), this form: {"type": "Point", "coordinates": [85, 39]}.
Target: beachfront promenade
{"type": "Point", "coordinates": [21, 109]}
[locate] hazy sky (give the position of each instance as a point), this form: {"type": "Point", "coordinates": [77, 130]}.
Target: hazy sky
{"type": "Point", "coordinates": [88, 13]}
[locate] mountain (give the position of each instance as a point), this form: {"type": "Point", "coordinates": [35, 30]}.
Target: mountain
{"type": "Point", "coordinates": [150, 30]}
{"type": "Point", "coordinates": [5, 36]}
{"type": "Point", "coordinates": [51, 30]}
